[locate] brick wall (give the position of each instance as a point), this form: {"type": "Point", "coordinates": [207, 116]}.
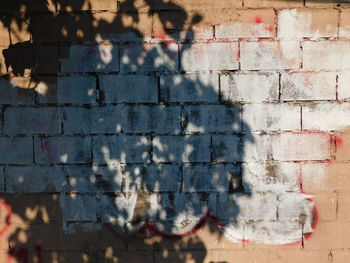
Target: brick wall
{"type": "Point", "coordinates": [178, 131]}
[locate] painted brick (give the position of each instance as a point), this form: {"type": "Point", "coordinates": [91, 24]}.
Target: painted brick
{"type": "Point", "coordinates": [299, 23]}
{"type": "Point", "coordinates": [190, 88]}
{"type": "Point", "coordinates": [166, 119]}
{"type": "Point", "coordinates": [249, 87]}
{"type": "Point", "coordinates": [256, 147]}
{"type": "Point", "coordinates": [344, 23]}
{"type": "Point", "coordinates": [267, 54]}
{"type": "Point", "coordinates": [137, 119]}
{"type": "Point", "coordinates": [308, 86]}
{"type": "Point", "coordinates": [2, 182]}
{"type": "Point", "coordinates": [76, 120]}
{"type": "Point", "coordinates": [274, 177]}
{"type": "Point", "coordinates": [300, 204]}
{"type": "Point", "coordinates": [343, 86]}
{"type": "Point", "coordinates": [106, 119]}
{"type": "Point", "coordinates": [192, 148]}
{"type": "Point", "coordinates": [28, 120]}
{"type": "Point", "coordinates": [13, 94]}
{"type": "Point", "coordinates": [19, 150]}
{"type": "Point", "coordinates": [301, 146]}
{"type": "Point", "coordinates": [93, 58]}
{"type": "Point", "coordinates": [195, 57]}
{"type": "Point", "coordinates": [326, 55]}
{"type": "Point", "coordinates": [161, 178]}
{"type": "Point", "coordinates": [129, 88]}
{"type": "Point", "coordinates": [121, 149]}
{"type": "Point", "coordinates": [46, 90]}
{"type": "Point", "coordinates": [321, 116]}
{"type": "Point", "coordinates": [79, 207]}
{"type": "Point", "coordinates": [63, 150]}
{"type": "Point", "coordinates": [212, 118]}
{"type": "Point", "coordinates": [271, 117]}
{"type": "Point", "coordinates": [250, 24]}
{"type": "Point", "coordinates": [226, 148]}
{"type": "Point", "coordinates": [148, 57]}
{"type": "Point", "coordinates": [33, 179]}
{"type": "Point", "coordinates": [208, 178]}
{"type": "Point", "coordinates": [77, 90]}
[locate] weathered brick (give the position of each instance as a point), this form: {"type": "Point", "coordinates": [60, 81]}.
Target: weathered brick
{"type": "Point", "coordinates": [343, 90]}
{"type": "Point", "coordinates": [137, 119]}
{"type": "Point", "coordinates": [78, 207]}
{"type": "Point", "coordinates": [19, 150]}
{"type": "Point", "coordinates": [105, 119]}
{"type": "Point", "coordinates": [198, 56]}
{"type": "Point", "coordinates": [326, 55]}
{"type": "Point", "coordinates": [76, 89]}
{"type": "Point", "coordinates": [256, 147]}
{"type": "Point", "coordinates": [339, 256]}
{"type": "Point", "coordinates": [249, 87]}
{"type": "Point", "coordinates": [196, 87]}
{"type": "Point", "coordinates": [95, 5]}
{"type": "Point", "coordinates": [33, 179]}
{"type": "Point", "coordinates": [301, 146]}
{"type": "Point", "coordinates": [129, 88]}
{"type": "Point", "coordinates": [4, 35]}
{"type": "Point", "coordinates": [28, 120]}
{"type": "Point", "coordinates": [93, 58]}
{"type": "Point", "coordinates": [208, 178]}
{"type": "Point", "coordinates": [166, 119]}
{"type": "Point", "coordinates": [64, 150]}
{"type": "Point", "coordinates": [76, 120]}
{"type": "Point", "coordinates": [274, 3]}
{"type": "Point", "coordinates": [177, 149]}
{"type": "Point", "coordinates": [321, 116]}
{"type": "Point", "coordinates": [121, 149]}
{"type": "Point", "coordinates": [344, 23]}
{"type": "Point", "coordinates": [267, 54]}
{"type": "Point", "coordinates": [148, 57]}
{"type": "Point", "coordinates": [299, 23]}
{"type": "Point", "coordinates": [2, 182]}
{"type": "Point", "coordinates": [326, 204]}
{"type": "Point", "coordinates": [271, 117]}
{"type": "Point", "coordinates": [308, 86]}
{"type": "Point", "coordinates": [46, 89]}
{"type": "Point", "coordinates": [226, 148]}
{"type": "Point", "coordinates": [292, 205]}
{"type": "Point", "coordinates": [212, 118]}
{"type": "Point", "coordinates": [161, 178]}
{"type": "Point", "coordinates": [249, 24]}
{"type": "Point", "coordinates": [275, 177]}
{"type": "Point", "coordinates": [13, 93]}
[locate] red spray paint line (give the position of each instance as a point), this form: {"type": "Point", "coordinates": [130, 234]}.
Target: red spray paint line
{"type": "Point", "coordinates": [7, 217]}
{"type": "Point", "coordinates": [258, 19]}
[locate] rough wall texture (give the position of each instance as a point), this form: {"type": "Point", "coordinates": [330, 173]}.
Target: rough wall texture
{"type": "Point", "coordinates": [174, 131]}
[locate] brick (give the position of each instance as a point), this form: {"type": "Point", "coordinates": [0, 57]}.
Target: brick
{"type": "Point", "coordinates": [328, 235]}
{"type": "Point", "coordinates": [204, 4]}
{"type": "Point", "coordinates": [148, 57]}
{"type": "Point", "coordinates": [93, 58]}
{"type": "Point", "coordinates": [326, 204]}
{"type": "Point", "coordinates": [4, 35]}
{"type": "Point", "coordinates": [63, 150]}
{"type": "Point", "coordinates": [256, 148]}
{"type": "Point", "coordinates": [339, 256]}
{"type": "Point", "coordinates": [95, 5]}
{"type": "Point", "coordinates": [177, 149]}
{"type": "Point", "coordinates": [137, 119]}
{"type": "Point", "coordinates": [129, 88]}
{"type": "Point", "coordinates": [46, 90]}
{"type": "Point", "coordinates": [344, 23]}
{"type": "Point", "coordinates": [77, 120]}
{"type": "Point", "coordinates": [301, 146]}
{"type": "Point", "coordinates": [212, 118]}
{"type": "Point", "coordinates": [195, 87]}
{"type": "Point", "coordinates": [106, 119]}
{"type": "Point", "coordinates": [198, 56]}
{"type": "Point", "coordinates": [271, 117]}
{"type": "Point", "coordinates": [33, 179]}
{"type": "Point", "coordinates": [321, 177]}
{"type": "Point", "coordinates": [299, 23]}
{"type": "Point", "coordinates": [226, 148]}
{"type": "Point", "coordinates": [208, 178]}
{"type": "Point", "coordinates": [78, 207]}
{"type": "Point", "coordinates": [28, 120]}
{"type": "Point", "coordinates": [274, 177]}
{"type": "Point", "coordinates": [76, 89]}
{"type": "Point", "coordinates": [14, 94]}
{"type": "Point", "coordinates": [249, 24]}
{"type": "Point", "coordinates": [2, 182]}
{"type": "Point", "coordinates": [267, 54]}
{"type": "Point", "coordinates": [343, 90]}
{"type": "Point", "coordinates": [249, 87]}
{"type": "Point", "coordinates": [326, 55]}
{"type": "Point", "coordinates": [166, 119]}
{"type": "Point", "coordinates": [308, 86]}
{"type": "Point", "coordinates": [161, 178]}
{"type": "Point", "coordinates": [121, 149]}
{"type": "Point", "coordinates": [321, 116]}
{"type": "Point", "coordinates": [342, 207]}
{"type": "Point", "coordinates": [19, 150]}
{"type": "Point", "coordinates": [324, 3]}
{"type": "Point", "coordinates": [275, 4]}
